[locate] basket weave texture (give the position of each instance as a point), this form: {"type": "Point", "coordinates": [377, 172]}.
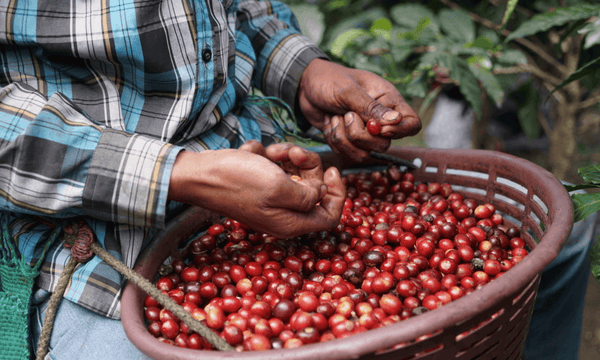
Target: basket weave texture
{"type": "Point", "coordinates": [491, 323]}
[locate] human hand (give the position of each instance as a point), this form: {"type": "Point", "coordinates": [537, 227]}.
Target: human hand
{"type": "Point", "coordinates": [293, 159]}
{"type": "Point", "coordinates": [339, 101]}
{"type": "Point", "coordinates": [248, 186]}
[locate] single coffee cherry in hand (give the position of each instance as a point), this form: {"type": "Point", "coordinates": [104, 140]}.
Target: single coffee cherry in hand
{"type": "Point", "coordinates": [373, 127]}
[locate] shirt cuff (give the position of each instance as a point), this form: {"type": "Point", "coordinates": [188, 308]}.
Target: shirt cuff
{"type": "Point", "coordinates": [283, 60]}
{"type": "Point", "coordinates": [128, 179]}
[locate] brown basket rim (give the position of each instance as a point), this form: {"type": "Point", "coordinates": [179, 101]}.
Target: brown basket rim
{"type": "Point", "coordinates": [537, 180]}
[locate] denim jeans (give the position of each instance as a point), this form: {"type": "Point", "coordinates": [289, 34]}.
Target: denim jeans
{"type": "Point", "coordinates": [79, 333]}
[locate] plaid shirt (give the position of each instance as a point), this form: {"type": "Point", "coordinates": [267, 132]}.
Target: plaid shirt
{"type": "Point", "coordinates": [96, 100]}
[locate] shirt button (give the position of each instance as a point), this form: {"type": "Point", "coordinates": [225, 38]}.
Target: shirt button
{"type": "Point", "coordinates": [206, 55]}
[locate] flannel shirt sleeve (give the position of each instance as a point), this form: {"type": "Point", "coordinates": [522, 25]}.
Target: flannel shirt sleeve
{"type": "Point", "coordinates": [282, 51]}
{"type": "Point", "coordinates": [55, 161]}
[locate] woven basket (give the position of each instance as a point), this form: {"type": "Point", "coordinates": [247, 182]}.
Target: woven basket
{"type": "Point", "coordinates": [491, 323]}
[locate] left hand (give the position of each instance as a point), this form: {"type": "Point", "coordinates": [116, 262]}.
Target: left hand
{"type": "Point", "coordinates": [339, 101]}
{"type": "Point", "coordinates": [247, 184]}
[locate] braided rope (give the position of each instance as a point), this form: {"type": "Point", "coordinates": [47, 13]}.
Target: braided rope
{"type": "Point", "coordinates": [55, 299]}
{"type": "Point", "coordinates": [80, 238]}
{"type": "Point", "coordinates": [163, 299]}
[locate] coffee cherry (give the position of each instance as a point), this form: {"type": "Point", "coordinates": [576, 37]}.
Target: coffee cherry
{"type": "Point", "coordinates": [402, 248]}
{"type": "Point", "coordinates": [373, 127]}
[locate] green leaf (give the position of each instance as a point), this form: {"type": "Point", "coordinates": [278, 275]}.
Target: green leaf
{"type": "Point", "coordinates": [430, 59]}
{"type": "Point", "coordinates": [457, 24]}
{"type": "Point", "coordinates": [557, 17]}
{"type": "Point", "coordinates": [429, 98]}
{"type": "Point", "coordinates": [590, 173]}
{"type": "Point", "coordinates": [571, 29]}
{"type": "Point", "coordinates": [401, 49]}
{"type": "Point", "coordinates": [490, 84]}
{"type": "Point", "coordinates": [347, 38]}
{"type": "Point", "coordinates": [528, 99]}
{"type": "Point", "coordinates": [479, 61]}
{"type": "Point", "coordinates": [482, 42]}
{"type": "Point", "coordinates": [510, 8]}
{"type": "Point", "coordinates": [591, 68]}
{"type": "Point", "coordinates": [512, 57]}
{"type": "Point", "coordinates": [581, 187]}
{"type": "Point", "coordinates": [360, 20]}
{"type": "Point", "coordinates": [585, 205]}
{"type": "Point", "coordinates": [592, 36]}
{"type": "Point", "coordinates": [467, 82]}
{"type": "Point", "coordinates": [595, 260]}
{"type": "Point", "coordinates": [489, 34]}
{"type": "Point", "coordinates": [336, 4]}
{"type": "Point", "coordinates": [416, 87]}
{"type": "Point", "coordinates": [460, 49]}
{"type": "Point", "coordinates": [382, 23]}
{"type": "Point", "coordinates": [410, 15]}
{"type": "Point", "coordinates": [382, 27]}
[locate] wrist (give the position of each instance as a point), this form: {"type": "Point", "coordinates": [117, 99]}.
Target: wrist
{"type": "Point", "coordinates": [303, 94]}
{"type": "Point", "coordinates": [187, 175]}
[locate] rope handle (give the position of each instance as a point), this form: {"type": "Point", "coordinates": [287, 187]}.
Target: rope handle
{"type": "Point", "coordinates": [80, 238]}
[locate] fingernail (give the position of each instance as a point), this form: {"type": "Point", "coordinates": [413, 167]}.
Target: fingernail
{"type": "Point", "coordinates": [327, 120]}
{"type": "Point", "coordinates": [349, 119]}
{"type": "Point", "coordinates": [390, 116]}
{"type": "Point", "coordinates": [335, 120]}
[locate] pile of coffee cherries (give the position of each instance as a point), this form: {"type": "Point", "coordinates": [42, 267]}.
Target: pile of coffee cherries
{"type": "Point", "coordinates": [401, 248]}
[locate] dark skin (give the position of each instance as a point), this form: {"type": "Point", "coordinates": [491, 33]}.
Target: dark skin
{"type": "Point", "coordinates": [248, 185]}
{"type": "Point", "coordinates": [339, 101]}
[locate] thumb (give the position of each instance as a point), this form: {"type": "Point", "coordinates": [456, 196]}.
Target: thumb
{"type": "Point", "coordinates": [362, 103]}
{"type": "Point", "coordinates": [302, 196]}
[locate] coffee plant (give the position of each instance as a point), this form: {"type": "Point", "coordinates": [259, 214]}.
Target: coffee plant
{"type": "Point", "coordinates": [482, 48]}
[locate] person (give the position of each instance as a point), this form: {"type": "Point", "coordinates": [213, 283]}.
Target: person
{"type": "Point", "coordinates": [121, 113]}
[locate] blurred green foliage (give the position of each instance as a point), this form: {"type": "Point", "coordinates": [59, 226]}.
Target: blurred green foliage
{"type": "Point", "coordinates": [419, 46]}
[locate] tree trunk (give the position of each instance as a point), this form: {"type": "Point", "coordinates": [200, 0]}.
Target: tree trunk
{"type": "Point", "coordinates": [563, 144]}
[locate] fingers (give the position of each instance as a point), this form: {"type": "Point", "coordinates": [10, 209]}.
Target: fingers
{"type": "Point", "coordinates": [357, 100]}
{"type": "Point", "coordinates": [253, 146]}
{"type": "Point", "coordinates": [360, 137]}
{"type": "Point", "coordinates": [299, 196]}
{"type": "Point", "coordinates": [296, 160]}
{"type": "Point", "coordinates": [332, 203]}
{"type": "Point", "coordinates": [335, 134]}
{"type": "Point", "coordinates": [307, 217]}
{"type": "Point", "coordinates": [308, 162]}
{"type": "Point", "coordinates": [409, 126]}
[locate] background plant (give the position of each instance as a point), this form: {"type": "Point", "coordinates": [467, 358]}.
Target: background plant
{"type": "Point", "coordinates": [421, 46]}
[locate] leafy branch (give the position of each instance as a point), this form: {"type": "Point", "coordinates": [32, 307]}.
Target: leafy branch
{"type": "Point", "coordinates": [588, 203]}
{"type": "Point", "coordinates": [520, 40]}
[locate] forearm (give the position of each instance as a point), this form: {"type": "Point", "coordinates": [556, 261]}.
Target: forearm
{"type": "Point", "coordinates": [282, 52]}
{"type": "Point", "coordinates": [57, 162]}
{"type": "Point", "coordinates": [249, 186]}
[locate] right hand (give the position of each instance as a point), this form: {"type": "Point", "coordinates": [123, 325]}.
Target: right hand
{"type": "Point", "coordinates": [340, 101]}
{"type": "Point", "coordinates": [248, 186]}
